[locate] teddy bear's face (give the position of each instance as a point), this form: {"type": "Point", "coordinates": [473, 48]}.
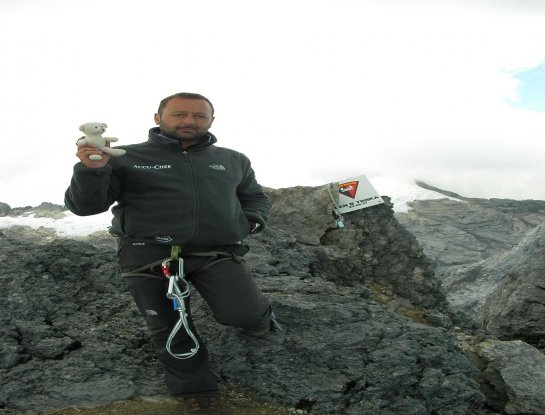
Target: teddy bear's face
{"type": "Point", "coordinates": [93, 128]}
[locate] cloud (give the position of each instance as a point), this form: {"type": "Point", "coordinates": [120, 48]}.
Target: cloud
{"type": "Point", "coordinates": [312, 91]}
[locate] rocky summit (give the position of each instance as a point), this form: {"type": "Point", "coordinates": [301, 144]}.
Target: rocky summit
{"type": "Point", "coordinates": [368, 326]}
{"type": "Point", "coordinates": [490, 259]}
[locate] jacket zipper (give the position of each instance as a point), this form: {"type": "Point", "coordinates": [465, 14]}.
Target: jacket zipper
{"type": "Point", "coordinates": [194, 202]}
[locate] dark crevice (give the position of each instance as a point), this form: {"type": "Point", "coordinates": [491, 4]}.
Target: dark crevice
{"type": "Point", "coordinates": [349, 386]}
{"type": "Point", "coordinates": [305, 404]}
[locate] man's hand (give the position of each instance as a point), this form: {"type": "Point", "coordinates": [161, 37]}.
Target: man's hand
{"type": "Point", "coordinates": [86, 150]}
{"type": "Point", "coordinates": [255, 227]}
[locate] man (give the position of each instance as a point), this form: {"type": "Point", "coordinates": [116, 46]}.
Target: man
{"type": "Point", "coordinates": [180, 190]}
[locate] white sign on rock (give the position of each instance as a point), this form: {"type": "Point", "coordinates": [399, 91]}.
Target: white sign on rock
{"type": "Point", "coordinates": [356, 193]}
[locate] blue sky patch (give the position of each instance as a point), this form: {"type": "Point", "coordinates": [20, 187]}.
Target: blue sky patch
{"type": "Point", "coordinates": [531, 89]}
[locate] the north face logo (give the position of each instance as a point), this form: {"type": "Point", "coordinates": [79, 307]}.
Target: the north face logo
{"type": "Point", "coordinates": [217, 166]}
{"type": "Point", "coordinates": [163, 239]}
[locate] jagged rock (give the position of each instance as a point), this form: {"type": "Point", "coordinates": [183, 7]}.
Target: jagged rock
{"type": "Point", "coordinates": [513, 377]}
{"type": "Point", "coordinates": [5, 209]}
{"type": "Point", "coordinates": [342, 353]}
{"type": "Point", "coordinates": [455, 233]}
{"type": "Point", "coordinates": [307, 210]}
{"type": "Point", "coordinates": [45, 210]}
{"type": "Point", "coordinates": [469, 288]}
{"type": "Point", "coordinates": [74, 337]}
{"type": "Point", "coordinates": [516, 307]}
{"type": "Point", "coordinates": [373, 249]}
{"type": "Point", "coordinates": [26, 233]}
{"type": "Point", "coordinates": [458, 233]}
{"type": "Point", "coordinates": [528, 211]}
{"type": "Point", "coordinates": [489, 256]}
{"type": "Point", "coordinates": [72, 333]}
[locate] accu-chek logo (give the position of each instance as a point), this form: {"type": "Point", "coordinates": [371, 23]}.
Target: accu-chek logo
{"type": "Point", "coordinates": [154, 167]}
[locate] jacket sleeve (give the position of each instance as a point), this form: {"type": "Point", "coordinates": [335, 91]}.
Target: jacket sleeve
{"type": "Point", "coordinates": [91, 190]}
{"type": "Point", "coordinates": [255, 203]}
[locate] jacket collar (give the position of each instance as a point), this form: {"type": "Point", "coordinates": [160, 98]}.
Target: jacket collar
{"type": "Point", "coordinates": [156, 137]}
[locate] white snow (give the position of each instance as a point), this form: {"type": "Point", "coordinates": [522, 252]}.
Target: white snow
{"type": "Point", "coordinates": [399, 191]}
{"type": "Point", "coordinates": [70, 225]}
{"type": "Point", "coordinates": [403, 191]}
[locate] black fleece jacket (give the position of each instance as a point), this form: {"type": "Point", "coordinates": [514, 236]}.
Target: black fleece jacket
{"type": "Point", "coordinates": [205, 196]}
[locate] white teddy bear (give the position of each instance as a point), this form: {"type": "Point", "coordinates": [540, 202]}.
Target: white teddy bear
{"type": "Point", "coordinates": [93, 135]}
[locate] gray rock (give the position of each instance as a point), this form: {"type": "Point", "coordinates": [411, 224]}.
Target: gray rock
{"type": "Point", "coordinates": [489, 259]}
{"type": "Point", "coordinates": [342, 353]}
{"type": "Point", "coordinates": [307, 210]}
{"type": "Point", "coordinates": [373, 249]}
{"type": "Point", "coordinates": [513, 377]}
{"type": "Point", "coordinates": [28, 234]}
{"type": "Point", "coordinates": [455, 233]}
{"type": "Point", "coordinates": [44, 210]}
{"type": "Point", "coordinates": [470, 288]}
{"type": "Point", "coordinates": [516, 307]}
{"type": "Point", "coordinates": [72, 335]}
{"type": "Point", "coordinates": [5, 209]}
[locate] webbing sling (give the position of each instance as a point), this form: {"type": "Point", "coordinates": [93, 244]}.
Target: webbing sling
{"type": "Point", "coordinates": [215, 257]}
{"type": "Point", "coordinates": [333, 189]}
{"type": "Point", "coordinates": [176, 294]}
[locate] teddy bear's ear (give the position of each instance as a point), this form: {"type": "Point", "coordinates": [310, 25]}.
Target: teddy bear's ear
{"type": "Point", "coordinates": [105, 125]}
{"type": "Point", "coordinates": [81, 127]}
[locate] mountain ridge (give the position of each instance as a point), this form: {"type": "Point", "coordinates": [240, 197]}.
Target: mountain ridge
{"type": "Point", "coordinates": [368, 326]}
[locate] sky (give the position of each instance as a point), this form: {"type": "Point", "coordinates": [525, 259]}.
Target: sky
{"type": "Point", "coordinates": [450, 92]}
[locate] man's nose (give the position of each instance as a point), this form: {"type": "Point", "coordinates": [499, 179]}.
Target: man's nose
{"type": "Point", "coordinates": [189, 119]}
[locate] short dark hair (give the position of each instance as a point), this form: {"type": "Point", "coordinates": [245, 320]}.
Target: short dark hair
{"type": "Point", "coordinates": [186, 95]}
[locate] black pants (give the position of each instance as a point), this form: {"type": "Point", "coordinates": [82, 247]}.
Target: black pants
{"type": "Point", "coordinates": [234, 299]}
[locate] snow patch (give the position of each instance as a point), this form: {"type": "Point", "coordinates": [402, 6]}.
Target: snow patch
{"type": "Point", "coordinates": [70, 225]}
{"type": "Point", "coordinates": [403, 191]}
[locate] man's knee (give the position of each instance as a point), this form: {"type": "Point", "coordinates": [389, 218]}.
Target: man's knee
{"type": "Point", "coordinates": [244, 318]}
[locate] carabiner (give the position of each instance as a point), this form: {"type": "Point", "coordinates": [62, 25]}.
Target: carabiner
{"type": "Point", "coordinates": [165, 267]}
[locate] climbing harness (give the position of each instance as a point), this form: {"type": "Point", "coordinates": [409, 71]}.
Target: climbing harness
{"type": "Point", "coordinates": [333, 189]}
{"type": "Point", "coordinates": [178, 295]}
{"type": "Point", "coordinates": [178, 288]}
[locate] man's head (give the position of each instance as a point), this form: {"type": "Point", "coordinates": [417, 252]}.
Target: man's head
{"type": "Point", "coordinates": [186, 95]}
{"type": "Point", "coordinates": [185, 116]}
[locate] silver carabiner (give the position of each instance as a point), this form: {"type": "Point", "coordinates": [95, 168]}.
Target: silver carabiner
{"type": "Point", "coordinates": [178, 296]}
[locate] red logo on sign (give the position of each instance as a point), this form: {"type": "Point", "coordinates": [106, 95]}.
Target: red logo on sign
{"type": "Point", "coordinates": [348, 189]}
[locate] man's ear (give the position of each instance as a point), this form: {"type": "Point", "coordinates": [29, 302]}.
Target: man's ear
{"type": "Point", "coordinates": [157, 118]}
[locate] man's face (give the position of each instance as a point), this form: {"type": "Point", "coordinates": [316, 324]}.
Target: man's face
{"type": "Point", "coordinates": [185, 119]}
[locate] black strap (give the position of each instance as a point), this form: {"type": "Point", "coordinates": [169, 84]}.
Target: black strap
{"type": "Point", "coordinates": [215, 258]}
